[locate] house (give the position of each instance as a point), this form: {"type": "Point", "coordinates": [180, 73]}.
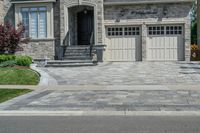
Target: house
{"type": "Point", "coordinates": [113, 30]}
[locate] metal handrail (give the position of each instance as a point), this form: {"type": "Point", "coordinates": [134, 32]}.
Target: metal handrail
{"type": "Point", "coordinates": [91, 43]}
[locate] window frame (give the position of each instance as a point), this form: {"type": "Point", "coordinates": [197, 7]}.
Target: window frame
{"type": "Point", "coordinates": [179, 31]}
{"type": "Point", "coordinates": [49, 18]}
{"type": "Point", "coordinates": [112, 32]}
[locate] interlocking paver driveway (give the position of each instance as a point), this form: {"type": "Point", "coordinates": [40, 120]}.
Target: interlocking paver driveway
{"type": "Point", "coordinates": [137, 73]}
{"type": "Point", "coordinates": [109, 100]}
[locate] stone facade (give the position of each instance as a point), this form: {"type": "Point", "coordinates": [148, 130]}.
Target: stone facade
{"type": "Point", "coordinates": [1, 12]}
{"type": "Point", "coordinates": [105, 14]}
{"type": "Point", "coordinates": [150, 14]}
{"type": "Point", "coordinates": [41, 49]}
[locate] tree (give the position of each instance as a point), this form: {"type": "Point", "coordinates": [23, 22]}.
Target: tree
{"type": "Point", "coordinates": [10, 38]}
{"type": "Point", "coordinates": [193, 16]}
{"type": "Point", "coordinates": [198, 22]}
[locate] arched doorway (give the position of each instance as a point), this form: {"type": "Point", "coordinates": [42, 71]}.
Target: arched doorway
{"type": "Point", "coordinates": [81, 25]}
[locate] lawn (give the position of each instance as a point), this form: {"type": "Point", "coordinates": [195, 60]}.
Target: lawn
{"type": "Point", "coordinates": [18, 76]}
{"type": "Point", "coordinates": [7, 94]}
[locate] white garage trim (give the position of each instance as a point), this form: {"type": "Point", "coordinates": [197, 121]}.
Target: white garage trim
{"type": "Point", "coordinates": [123, 43]}
{"type": "Point", "coordinates": [165, 43]}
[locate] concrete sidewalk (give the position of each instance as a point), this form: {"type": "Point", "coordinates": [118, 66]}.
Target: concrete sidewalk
{"type": "Point", "coordinates": [103, 87]}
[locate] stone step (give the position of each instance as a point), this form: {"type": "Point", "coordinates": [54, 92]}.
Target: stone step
{"type": "Point", "coordinates": [76, 54]}
{"type": "Point", "coordinates": [71, 65]}
{"type": "Point", "coordinates": [77, 57]}
{"type": "Point", "coordinates": [69, 61]}
{"type": "Point", "coordinates": [78, 47]}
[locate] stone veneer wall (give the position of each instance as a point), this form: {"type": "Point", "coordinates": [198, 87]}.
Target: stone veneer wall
{"type": "Point", "coordinates": [41, 49]}
{"type": "Point", "coordinates": [37, 49]}
{"type": "Point", "coordinates": [146, 14]}
{"type": "Point", "coordinates": [1, 12]}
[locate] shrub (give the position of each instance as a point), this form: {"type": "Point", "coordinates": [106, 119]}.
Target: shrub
{"type": "Point", "coordinates": [10, 38]}
{"type": "Point", "coordinates": [9, 63]}
{"type": "Point", "coordinates": [4, 58]}
{"type": "Point", "coordinates": [23, 60]}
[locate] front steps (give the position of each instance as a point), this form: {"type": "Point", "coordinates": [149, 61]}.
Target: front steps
{"type": "Point", "coordinates": [75, 56]}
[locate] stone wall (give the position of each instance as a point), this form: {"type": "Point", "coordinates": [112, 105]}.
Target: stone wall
{"type": "Point", "coordinates": [147, 14]}
{"type": "Point", "coordinates": [41, 49]}
{"type": "Point", "coordinates": [1, 12]}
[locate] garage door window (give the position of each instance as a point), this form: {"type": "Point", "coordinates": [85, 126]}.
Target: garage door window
{"type": "Point", "coordinates": [123, 31]}
{"type": "Point", "coordinates": [173, 30]}
{"type": "Point", "coordinates": [131, 31]}
{"type": "Point", "coordinates": [115, 31]}
{"type": "Point", "coordinates": [156, 30]}
{"type": "Point", "coordinates": [165, 30]}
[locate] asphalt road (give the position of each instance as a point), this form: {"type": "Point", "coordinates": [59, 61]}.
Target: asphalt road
{"type": "Point", "coordinates": [98, 124]}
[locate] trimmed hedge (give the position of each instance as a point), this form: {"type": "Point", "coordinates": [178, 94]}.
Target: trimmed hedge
{"type": "Point", "coordinates": [11, 60]}
{"type": "Point", "coordinates": [4, 58]}
{"type": "Point", "coordinates": [23, 61]}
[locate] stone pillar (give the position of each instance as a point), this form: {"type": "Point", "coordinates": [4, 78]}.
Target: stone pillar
{"type": "Point", "coordinates": [187, 40]}
{"type": "Point", "coordinates": [1, 12]}
{"type": "Point", "coordinates": [144, 42]}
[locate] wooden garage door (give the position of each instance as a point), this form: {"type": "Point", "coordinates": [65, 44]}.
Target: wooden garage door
{"type": "Point", "coordinates": [123, 43]}
{"type": "Point", "coordinates": [165, 43]}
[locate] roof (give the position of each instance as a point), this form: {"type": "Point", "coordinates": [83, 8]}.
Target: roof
{"type": "Point", "coordinates": [112, 2]}
{"type": "Point", "coordinates": [118, 2]}
{"type": "Point", "coordinates": [31, 1]}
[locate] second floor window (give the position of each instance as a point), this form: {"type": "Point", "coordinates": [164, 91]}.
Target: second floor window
{"type": "Point", "coordinates": [35, 22]}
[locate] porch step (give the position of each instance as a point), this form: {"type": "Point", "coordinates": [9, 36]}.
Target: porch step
{"type": "Point", "coordinates": [77, 53]}
{"type": "Point", "coordinates": [82, 57]}
{"type": "Point", "coordinates": [73, 63]}
{"type": "Point", "coordinates": [75, 56]}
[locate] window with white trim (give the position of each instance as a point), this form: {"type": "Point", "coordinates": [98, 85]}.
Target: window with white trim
{"type": "Point", "coordinates": [35, 21]}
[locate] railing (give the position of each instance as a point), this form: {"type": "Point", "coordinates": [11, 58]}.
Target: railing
{"type": "Point", "coordinates": [63, 47]}
{"type": "Point", "coordinates": [91, 43]}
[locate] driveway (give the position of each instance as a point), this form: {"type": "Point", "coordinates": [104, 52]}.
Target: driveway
{"type": "Point", "coordinates": [137, 73]}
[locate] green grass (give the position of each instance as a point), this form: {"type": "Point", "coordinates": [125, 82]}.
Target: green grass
{"type": "Point", "coordinates": [7, 94]}
{"type": "Point", "coordinates": [15, 76]}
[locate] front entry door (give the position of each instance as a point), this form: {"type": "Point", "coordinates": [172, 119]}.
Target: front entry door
{"type": "Point", "coordinates": [85, 27]}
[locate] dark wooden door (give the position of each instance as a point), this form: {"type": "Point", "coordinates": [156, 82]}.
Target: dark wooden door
{"type": "Point", "coordinates": [85, 27]}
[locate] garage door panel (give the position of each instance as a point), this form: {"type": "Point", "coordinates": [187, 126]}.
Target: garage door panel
{"type": "Point", "coordinates": [125, 47]}
{"type": "Point", "coordinates": [166, 44]}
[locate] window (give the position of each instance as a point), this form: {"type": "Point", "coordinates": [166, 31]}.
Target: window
{"type": "Point", "coordinates": [123, 31]}
{"type": "Point", "coordinates": [35, 22]}
{"type": "Point", "coordinates": [130, 31]}
{"type": "Point", "coordinates": [173, 30]}
{"type": "Point", "coordinates": [156, 30]}
{"type": "Point", "coordinates": [115, 31]}
{"type": "Point", "coordinates": [165, 30]}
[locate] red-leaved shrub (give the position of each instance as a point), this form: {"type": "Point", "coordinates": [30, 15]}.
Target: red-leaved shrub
{"type": "Point", "coordinates": [10, 38]}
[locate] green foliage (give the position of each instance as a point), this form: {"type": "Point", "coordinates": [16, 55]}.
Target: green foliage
{"type": "Point", "coordinates": [194, 33]}
{"type": "Point", "coordinates": [4, 58]}
{"type": "Point", "coordinates": [23, 60]}
{"type": "Point", "coordinates": [9, 63]}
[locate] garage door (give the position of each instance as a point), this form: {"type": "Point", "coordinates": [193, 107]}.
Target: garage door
{"type": "Point", "coordinates": [165, 43]}
{"type": "Point", "coordinates": [123, 43]}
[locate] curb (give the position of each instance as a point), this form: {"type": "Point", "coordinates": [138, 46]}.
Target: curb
{"type": "Point", "coordinates": [100, 113]}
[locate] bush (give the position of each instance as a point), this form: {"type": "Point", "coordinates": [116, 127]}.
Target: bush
{"type": "Point", "coordinates": [9, 63]}
{"type": "Point", "coordinates": [4, 58]}
{"type": "Point", "coordinates": [10, 38]}
{"type": "Point", "coordinates": [23, 60]}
